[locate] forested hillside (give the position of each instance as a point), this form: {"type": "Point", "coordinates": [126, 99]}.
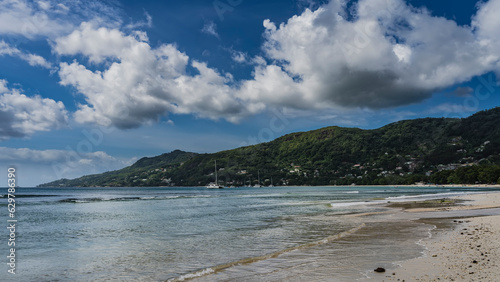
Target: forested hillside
{"type": "Point", "coordinates": [435, 150]}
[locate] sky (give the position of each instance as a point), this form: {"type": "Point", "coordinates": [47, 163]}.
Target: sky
{"type": "Point", "coordinates": [92, 86]}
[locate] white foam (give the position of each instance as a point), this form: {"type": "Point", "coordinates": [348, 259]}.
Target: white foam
{"type": "Point", "coordinates": [428, 196]}
{"type": "Point", "coordinates": [350, 204]}
{"type": "Point", "coordinates": [194, 275]}
{"type": "Point", "coordinates": [81, 201]}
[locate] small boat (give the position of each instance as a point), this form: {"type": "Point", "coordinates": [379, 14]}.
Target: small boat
{"type": "Point", "coordinates": [215, 185]}
{"type": "Point", "coordinates": [212, 185]}
{"type": "Point", "coordinates": [258, 183]}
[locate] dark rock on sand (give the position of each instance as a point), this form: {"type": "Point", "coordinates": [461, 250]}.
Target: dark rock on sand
{"type": "Point", "coordinates": [379, 269]}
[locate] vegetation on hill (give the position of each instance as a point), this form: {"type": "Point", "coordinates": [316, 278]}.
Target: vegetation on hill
{"type": "Point", "coordinates": [145, 172]}
{"type": "Point", "coordinates": [435, 150]}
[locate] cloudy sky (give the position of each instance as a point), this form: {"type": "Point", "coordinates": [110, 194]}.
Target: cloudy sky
{"type": "Point", "coordinates": [91, 86]}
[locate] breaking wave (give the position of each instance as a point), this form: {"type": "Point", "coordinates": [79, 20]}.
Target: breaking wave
{"type": "Point", "coordinates": [121, 199]}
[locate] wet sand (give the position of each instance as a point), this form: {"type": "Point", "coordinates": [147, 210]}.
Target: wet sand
{"type": "Point", "coordinates": [462, 247]}
{"type": "Point", "coordinates": [470, 251]}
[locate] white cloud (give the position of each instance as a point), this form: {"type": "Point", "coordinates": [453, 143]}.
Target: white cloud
{"type": "Point", "coordinates": [147, 23]}
{"type": "Point", "coordinates": [6, 49]}
{"type": "Point", "coordinates": [36, 60]}
{"type": "Point", "coordinates": [143, 83]}
{"type": "Point", "coordinates": [210, 28]}
{"type": "Point", "coordinates": [376, 54]}
{"type": "Point", "coordinates": [30, 155]}
{"type": "Point", "coordinates": [239, 56]}
{"type": "Point", "coordinates": [386, 54]}
{"type": "Point", "coordinates": [27, 18]}
{"type": "Point", "coordinates": [51, 18]}
{"type": "Point", "coordinates": [44, 5]}
{"type": "Point", "coordinates": [97, 44]}
{"type": "Point", "coordinates": [31, 59]}
{"type": "Point", "coordinates": [40, 166]}
{"type": "Point", "coordinates": [23, 116]}
{"type": "Point", "coordinates": [452, 108]}
{"type": "Point", "coordinates": [3, 86]}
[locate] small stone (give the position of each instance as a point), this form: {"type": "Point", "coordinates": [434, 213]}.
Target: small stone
{"type": "Point", "coordinates": [380, 269]}
{"type": "Point", "coordinates": [474, 261]}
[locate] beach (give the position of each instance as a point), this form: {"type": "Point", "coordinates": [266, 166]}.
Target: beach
{"type": "Point", "coordinates": [468, 251]}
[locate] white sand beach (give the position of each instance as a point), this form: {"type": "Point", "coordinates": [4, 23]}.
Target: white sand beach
{"type": "Point", "coordinates": [470, 252]}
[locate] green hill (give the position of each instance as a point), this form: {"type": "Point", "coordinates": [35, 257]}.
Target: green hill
{"type": "Point", "coordinates": [145, 172]}
{"type": "Point", "coordinates": [436, 150]}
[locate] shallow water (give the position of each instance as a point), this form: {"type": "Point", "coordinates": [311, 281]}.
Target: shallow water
{"type": "Point", "coordinates": [155, 234]}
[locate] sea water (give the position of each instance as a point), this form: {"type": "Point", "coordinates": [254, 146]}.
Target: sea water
{"type": "Point", "coordinates": [244, 234]}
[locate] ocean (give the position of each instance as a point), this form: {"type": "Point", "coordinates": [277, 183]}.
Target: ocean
{"type": "Point", "coordinates": [237, 234]}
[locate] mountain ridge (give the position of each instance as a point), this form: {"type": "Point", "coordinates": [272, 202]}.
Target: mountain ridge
{"type": "Point", "coordinates": [437, 150]}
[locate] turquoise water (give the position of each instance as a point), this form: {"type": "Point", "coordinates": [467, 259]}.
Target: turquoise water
{"type": "Point", "coordinates": [157, 234]}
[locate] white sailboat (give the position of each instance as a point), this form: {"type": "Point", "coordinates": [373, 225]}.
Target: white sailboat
{"type": "Point", "coordinates": [215, 185]}
{"type": "Point", "coordinates": [271, 182]}
{"type": "Point", "coordinates": [258, 183]}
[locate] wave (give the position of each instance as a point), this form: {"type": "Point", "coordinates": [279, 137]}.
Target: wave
{"type": "Point", "coordinates": [27, 196]}
{"type": "Point", "coordinates": [218, 268]}
{"type": "Point", "coordinates": [120, 199]}
{"type": "Point", "coordinates": [403, 198]}
{"type": "Point", "coordinates": [200, 273]}
{"type": "Point", "coordinates": [351, 204]}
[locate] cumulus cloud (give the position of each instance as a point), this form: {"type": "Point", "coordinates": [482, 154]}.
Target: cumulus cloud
{"type": "Point", "coordinates": [142, 83]}
{"type": "Point", "coordinates": [380, 54]}
{"type": "Point", "coordinates": [22, 116]}
{"type": "Point", "coordinates": [31, 59]}
{"type": "Point", "coordinates": [374, 54]}
{"type": "Point", "coordinates": [97, 44]}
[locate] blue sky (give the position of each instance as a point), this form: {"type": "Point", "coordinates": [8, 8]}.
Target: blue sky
{"type": "Point", "coordinates": [91, 86]}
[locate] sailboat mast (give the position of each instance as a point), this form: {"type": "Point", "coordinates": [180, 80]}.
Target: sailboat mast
{"type": "Point", "coordinates": [216, 180]}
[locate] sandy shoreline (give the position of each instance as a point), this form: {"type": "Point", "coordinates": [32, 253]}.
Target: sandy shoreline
{"type": "Point", "coordinates": [468, 252]}
{"type": "Point", "coordinates": [387, 235]}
